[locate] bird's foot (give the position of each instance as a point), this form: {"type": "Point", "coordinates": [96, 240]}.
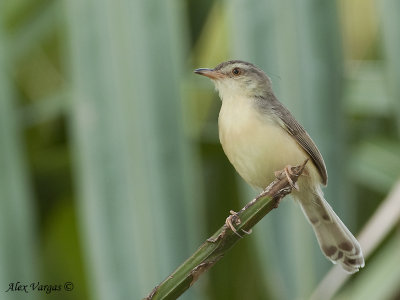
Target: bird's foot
{"type": "Point", "coordinates": [232, 220]}
{"type": "Point", "coordinates": [287, 171]}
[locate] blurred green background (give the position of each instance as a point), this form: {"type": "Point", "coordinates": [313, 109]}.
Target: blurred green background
{"type": "Point", "coordinates": [111, 172]}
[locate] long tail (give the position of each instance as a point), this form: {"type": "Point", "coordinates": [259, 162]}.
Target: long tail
{"type": "Point", "coordinates": [335, 240]}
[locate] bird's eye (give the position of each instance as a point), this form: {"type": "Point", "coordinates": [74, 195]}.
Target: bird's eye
{"type": "Point", "coordinates": [236, 71]}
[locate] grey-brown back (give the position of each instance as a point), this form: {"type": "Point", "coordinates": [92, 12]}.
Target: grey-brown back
{"type": "Point", "coordinates": [269, 104]}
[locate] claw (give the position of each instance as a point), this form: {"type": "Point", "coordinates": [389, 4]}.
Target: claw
{"type": "Point", "coordinates": [247, 232]}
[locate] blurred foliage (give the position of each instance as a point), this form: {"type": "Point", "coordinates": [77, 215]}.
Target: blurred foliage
{"type": "Point", "coordinates": [112, 172]}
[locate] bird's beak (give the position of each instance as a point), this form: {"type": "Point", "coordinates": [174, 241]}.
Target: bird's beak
{"type": "Point", "coordinates": [210, 73]}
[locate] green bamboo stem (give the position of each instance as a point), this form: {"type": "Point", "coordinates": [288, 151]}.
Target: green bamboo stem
{"type": "Point", "coordinates": [215, 247]}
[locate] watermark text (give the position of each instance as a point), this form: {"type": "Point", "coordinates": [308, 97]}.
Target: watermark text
{"type": "Point", "coordinates": [37, 286]}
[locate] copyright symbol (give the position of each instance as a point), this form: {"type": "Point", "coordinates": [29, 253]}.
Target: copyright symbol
{"type": "Point", "coordinates": [68, 286]}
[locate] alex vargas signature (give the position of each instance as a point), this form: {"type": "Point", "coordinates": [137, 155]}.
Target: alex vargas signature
{"type": "Point", "coordinates": [37, 286]}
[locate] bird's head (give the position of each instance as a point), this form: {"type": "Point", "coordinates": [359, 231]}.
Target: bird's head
{"type": "Point", "coordinates": [238, 78]}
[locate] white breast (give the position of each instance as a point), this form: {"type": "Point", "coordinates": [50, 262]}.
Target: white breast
{"type": "Point", "coordinates": [255, 144]}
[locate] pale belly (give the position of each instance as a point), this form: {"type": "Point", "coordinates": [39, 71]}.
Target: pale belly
{"type": "Point", "coordinates": [256, 147]}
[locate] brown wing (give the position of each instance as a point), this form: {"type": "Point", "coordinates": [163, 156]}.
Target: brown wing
{"type": "Point", "coordinates": [299, 133]}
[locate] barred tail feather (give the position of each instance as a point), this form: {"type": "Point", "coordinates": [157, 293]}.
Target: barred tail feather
{"type": "Point", "coordinates": [335, 240]}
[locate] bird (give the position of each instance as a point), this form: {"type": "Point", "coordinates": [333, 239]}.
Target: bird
{"type": "Point", "coordinates": [260, 136]}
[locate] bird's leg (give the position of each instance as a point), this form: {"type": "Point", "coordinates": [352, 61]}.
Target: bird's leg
{"type": "Point", "coordinates": [234, 219]}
